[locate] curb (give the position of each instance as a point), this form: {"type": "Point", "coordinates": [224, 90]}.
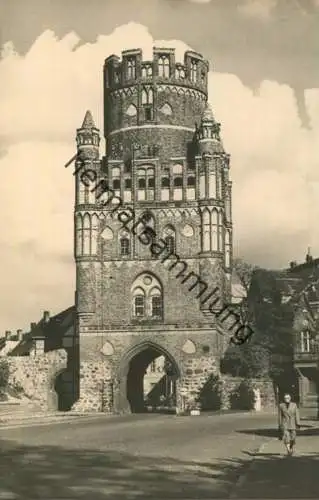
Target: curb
{"type": "Point", "coordinates": [243, 477]}
{"type": "Point", "coordinates": [42, 423]}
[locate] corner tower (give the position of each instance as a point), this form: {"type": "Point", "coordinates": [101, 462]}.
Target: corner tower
{"type": "Point", "coordinates": [166, 164]}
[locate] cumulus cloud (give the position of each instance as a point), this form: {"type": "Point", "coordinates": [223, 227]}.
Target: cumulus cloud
{"type": "Point", "coordinates": [43, 100]}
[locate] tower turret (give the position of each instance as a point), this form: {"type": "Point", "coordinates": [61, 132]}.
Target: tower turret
{"type": "Point", "coordinates": [88, 138]}
{"type": "Point", "coordinates": [87, 163]}
{"type": "Point", "coordinates": [209, 133]}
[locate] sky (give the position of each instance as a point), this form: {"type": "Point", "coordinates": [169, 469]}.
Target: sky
{"type": "Point", "coordinates": [263, 88]}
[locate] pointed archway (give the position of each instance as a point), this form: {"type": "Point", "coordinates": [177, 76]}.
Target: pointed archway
{"type": "Point", "coordinates": [129, 394]}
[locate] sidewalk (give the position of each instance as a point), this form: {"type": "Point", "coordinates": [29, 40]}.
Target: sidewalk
{"type": "Point", "coordinates": [274, 475]}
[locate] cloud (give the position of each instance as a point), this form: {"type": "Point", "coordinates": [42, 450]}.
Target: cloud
{"type": "Point", "coordinates": [274, 164]}
{"type": "Point", "coordinates": [199, 1]}
{"type": "Point", "coordinates": [258, 9]}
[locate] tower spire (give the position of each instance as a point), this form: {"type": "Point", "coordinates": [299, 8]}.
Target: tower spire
{"type": "Point", "coordinates": [88, 121]}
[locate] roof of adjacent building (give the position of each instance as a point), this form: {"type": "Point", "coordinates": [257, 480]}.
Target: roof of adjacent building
{"type": "Point", "coordinates": [52, 332]}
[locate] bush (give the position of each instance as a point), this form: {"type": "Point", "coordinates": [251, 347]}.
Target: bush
{"type": "Point", "coordinates": [243, 398]}
{"type": "Point", "coordinates": [4, 374]}
{"type": "Point", "coordinates": [210, 396]}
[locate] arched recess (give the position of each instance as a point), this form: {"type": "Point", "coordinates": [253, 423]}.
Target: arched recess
{"type": "Point", "coordinates": [61, 389]}
{"type": "Point", "coordinates": [78, 234]}
{"type": "Point", "coordinates": [128, 386]}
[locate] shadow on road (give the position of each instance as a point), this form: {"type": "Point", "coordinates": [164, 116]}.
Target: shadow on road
{"type": "Point", "coordinates": [55, 472]}
{"type": "Point", "coordinates": [278, 476]}
{"type": "Point", "coordinates": [306, 430]}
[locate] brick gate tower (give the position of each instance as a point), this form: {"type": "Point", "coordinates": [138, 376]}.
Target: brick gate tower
{"type": "Point", "coordinates": [164, 170]}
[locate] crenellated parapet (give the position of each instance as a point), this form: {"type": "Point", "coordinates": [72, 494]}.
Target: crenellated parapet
{"type": "Point", "coordinates": [163, 68]}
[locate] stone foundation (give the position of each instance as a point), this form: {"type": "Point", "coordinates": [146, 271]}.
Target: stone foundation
{"type": "Point", "coordinates": [95, 388]}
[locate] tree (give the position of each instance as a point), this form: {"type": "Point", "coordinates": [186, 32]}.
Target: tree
{"type": "Point", "coordinates": [244, 271]}
{"type": "Point", "coordinates": [270, 320]}
{"type": "Point", "coordinates": [4, 375]}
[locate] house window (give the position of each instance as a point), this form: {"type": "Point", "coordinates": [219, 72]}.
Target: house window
{"type": "Point", "coordinates": [212, 184]}
{"type": "Point", "coordinates": [220, 231]}
{"type": "Point", "coordinates": [190, 191]}
{"type": "Point", "coordinates": [305, 341]}
{"type": "Point", "coordinates": [206, 231]}
{"type": "Point", "coordinates": [215, 231]}
{"type": "Point", "coordinates": [170, 244]}
{"type": "Point", "coordinates": [86, 249]}
{"type": "Point", "coordinates": [169, 237]}
{"type": "Point", "coordinates": [147, 99]}
{"type": "Point", "coordinates": [147, 297]}
{"type": "Point", "coordinates": [125, 246]}
{"type": "Point", "coordinates": [146, 183]}
{"type": "Point", "coordinates": [128, 183]}
{"type": "Point", "coordinates": [147, 71]}
{"type": "Point", "coordinates": [147, 96]}
{"type": "Point", "coordinates": [78, 242]}
{"type": "Point", "coordinates": [165, 189]}
{"type": "Point", "coordinates": [157, 306]}
{"type": "Point", "coordinates": [131, 69]}
{"type": "Point", "coordinates": [178, 183]}
{"type": "Point", "coordinates": [163, 67]}
{"type": "Point", "coordinates": [202, 185]}
{"type": "Point", "coordinates": [139, 304]}
{"type": "Point", "coordinates": [116, 184]}
{"type": "Point", "coordinates": [227, 248]}
{"type": "Point", "coordinates": [194, 71]}
{"type": "Point", "coordinates": [148, 110]}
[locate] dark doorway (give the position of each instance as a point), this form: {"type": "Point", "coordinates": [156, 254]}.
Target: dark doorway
{"type": "Point", "coordinates": [64, 389]}
{"type": "Point", "coordinates": [151, 390]}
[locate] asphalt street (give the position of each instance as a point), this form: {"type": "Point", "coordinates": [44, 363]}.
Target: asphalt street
{"type": "Point", "coordinates": [132, 457]}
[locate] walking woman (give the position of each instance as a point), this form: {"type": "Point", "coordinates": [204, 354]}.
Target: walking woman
{"type": "Point", "coordinates": [289, 421]}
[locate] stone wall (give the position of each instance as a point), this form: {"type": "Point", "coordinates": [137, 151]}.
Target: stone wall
{"type": "Point", "coordinates": [95, 387]}
{"type": "Point", "coordinates": [36, 376]}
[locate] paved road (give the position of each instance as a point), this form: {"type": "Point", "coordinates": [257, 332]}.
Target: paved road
{"type": "Point", "coordinates": [132, 457]}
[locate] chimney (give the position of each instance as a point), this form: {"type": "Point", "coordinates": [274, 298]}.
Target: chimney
{"type": "Point", "coordinates": [20, 335]}
{"type": "Point", "coordinates": [32, 326]}
{"type": "Point", "coordinates": [7, 334]}
{"type": "Point", "coordinates": [46, 316]}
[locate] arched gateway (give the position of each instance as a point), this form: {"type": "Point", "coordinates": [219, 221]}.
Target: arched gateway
{"type": "Point", "coordinates": [129, 390]}
{"type": "Point", "coordinates": [153, 235]}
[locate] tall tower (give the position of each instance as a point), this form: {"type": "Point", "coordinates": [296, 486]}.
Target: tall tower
{"type": "Point", "coordinates": [166, 164]}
